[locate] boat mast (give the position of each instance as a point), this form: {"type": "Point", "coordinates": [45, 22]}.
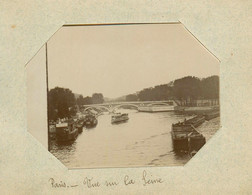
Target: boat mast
{"type": "Point", "coordinates": [48, 137]}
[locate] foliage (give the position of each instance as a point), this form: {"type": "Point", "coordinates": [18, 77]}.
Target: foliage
{"type": "Point", "coordinates": [210, 87]}
{"type": "Point", "coordinates": [87, 100]}
{"type": "Point", "coordinates": [131, 97]}
{"type": "Point", "coordinates": [97, 98]}
{"type": "Point", "coordinates": [61, 103]}
{"type": "Point", "coordinates": [184, 88]}
{"type": "Point", "coordinates": [187, 87]}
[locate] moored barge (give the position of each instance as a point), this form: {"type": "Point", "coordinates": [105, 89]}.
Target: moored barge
{"type": "Point", "coordinates": [66, 131]}
{"type": "Point", "coordinates": [185, 136]}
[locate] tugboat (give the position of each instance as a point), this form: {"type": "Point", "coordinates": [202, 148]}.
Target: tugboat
{"type": "Point", "coordinates": [66, 131]}
{"type": "Point", "coordinates": [118, 117]}
{"type": "Point", "coordinates": [90, 121]}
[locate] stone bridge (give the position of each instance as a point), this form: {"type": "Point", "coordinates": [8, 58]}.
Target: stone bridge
{"type": "Point", "coordinates": [112, 106]}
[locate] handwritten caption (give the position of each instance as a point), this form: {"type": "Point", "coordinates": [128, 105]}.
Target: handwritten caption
{"type": "Point", "coordinates": [90, 182]}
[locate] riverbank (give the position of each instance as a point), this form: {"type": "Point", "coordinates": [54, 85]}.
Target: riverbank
{"type": "Point", "coordinates": [196, 109]}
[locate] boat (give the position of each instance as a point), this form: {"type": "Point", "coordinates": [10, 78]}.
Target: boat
{"type": "Point", "coordinates": [118, 117]}
{"type": "Point", "coordinates": [90, 121]}
{"type": "Point", "coordinates": [196, 140]}
{"type": "Point", "coordinates": [66, 131]}
{"type": "Point", "coordinates": [185, 136]}
{"type": "Point", "coordinates": [180, 140]}
{"type": "Point", "coordinates": [179, 133]}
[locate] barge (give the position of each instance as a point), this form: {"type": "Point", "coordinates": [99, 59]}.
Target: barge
{"type": "Point", "coordinates": [66, 131]}
{"type": "Point", "coordinates": [185, 136]}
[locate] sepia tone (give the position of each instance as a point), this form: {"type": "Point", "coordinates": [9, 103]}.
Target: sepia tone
{"type": "Point", "coordinates": [221, 27]}
{"type": "Point", "coordinates": [129, 95]}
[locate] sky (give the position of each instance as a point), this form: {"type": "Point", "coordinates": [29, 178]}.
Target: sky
{"type": "Point", "coordinates": [118, 60]}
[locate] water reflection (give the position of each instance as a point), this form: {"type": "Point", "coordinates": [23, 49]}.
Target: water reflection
{"type": "Point", "coordinates": [143, 140]}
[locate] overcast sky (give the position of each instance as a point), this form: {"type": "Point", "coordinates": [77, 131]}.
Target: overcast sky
{"type": "Point", "coordinates": [118, 60]}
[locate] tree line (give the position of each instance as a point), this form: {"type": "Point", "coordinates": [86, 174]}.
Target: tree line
{"type": "Point", "coordinates": [62, 102]}
{"type": "Point", "coordinates": [182, 89]}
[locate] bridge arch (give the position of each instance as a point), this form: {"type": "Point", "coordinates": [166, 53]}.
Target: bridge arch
{"type": "Point", "coordinates": [97, 107]}
{"type": "Point", "coordinates": [121, 105]}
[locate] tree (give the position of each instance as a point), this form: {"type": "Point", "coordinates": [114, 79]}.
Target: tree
{"type": "Point", "coordinates": [187, 88]}
{"type": "Point", "coordinates": [159, 92]}
{"type": "Point", "coordinates": [80, 100]}
{"type": "Point", "coordinates": [87, 100]}
{"type": "Point", "coordinates": [97, 98]}
{"type": "Point", "coordinates": [210, 87]}
{"type": "Point", "coordinates": [60, 102]}
{"type": "Point", "coordinates": [131, 97]}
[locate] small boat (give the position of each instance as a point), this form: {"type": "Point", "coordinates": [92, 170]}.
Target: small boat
{"type": "Point", "coordinates": [118, 117]}
{"type": "Point", "coordinates": [66, 131]}
{"type": "Point", "coordinates": [90, 121]}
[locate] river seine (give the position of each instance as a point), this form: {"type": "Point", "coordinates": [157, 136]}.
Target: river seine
{"type": "Point", "coordinates": [144, 140]}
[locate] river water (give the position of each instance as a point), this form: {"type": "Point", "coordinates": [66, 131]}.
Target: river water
{"type": "Point", "coordinates": [144, 140]}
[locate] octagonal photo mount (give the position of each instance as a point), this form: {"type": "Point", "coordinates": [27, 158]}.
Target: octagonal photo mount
{"type": "Point", "coordinates": [123, 95]}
